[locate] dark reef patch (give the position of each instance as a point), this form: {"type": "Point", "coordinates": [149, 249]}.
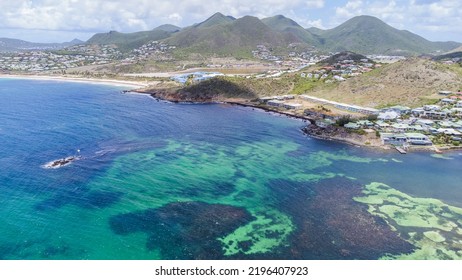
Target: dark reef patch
{"type": "Point", "coordinates": [333, 225]}
{"type": "Point", "coordinates": [81, 197]}
{"type": "Point", "coordinates": [184, 230]}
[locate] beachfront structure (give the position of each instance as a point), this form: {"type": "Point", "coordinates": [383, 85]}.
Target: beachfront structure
{"type": "Point", "coordinates": [265, 99]}
{"type": "Point", "coordinates": [418, 139]}
{"type": "Point", "coordinates": [323, 123]}
{"type": "Point", "coordinates": [352, 125]}
{"type": "Point", "coordinates": [393, 139]}
{"type": "Point", "coordinates": [275, 103]}
{"type": "Point", "coordinates": [403, 139]}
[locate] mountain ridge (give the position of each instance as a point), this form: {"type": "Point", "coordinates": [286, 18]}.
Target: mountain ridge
{"type": "Point", "coordinates": [11, 45]}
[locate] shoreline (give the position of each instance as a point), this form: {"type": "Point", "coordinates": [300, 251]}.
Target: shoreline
{"type": "Point", "coordinates": [133, 85]}
{"type": "Point", "coordinates": [139, 88]}
{"type": "Point", "coordinates": [348, 141]}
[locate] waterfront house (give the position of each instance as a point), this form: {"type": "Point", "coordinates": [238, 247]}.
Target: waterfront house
{"type": "Point", "coordinates": [393, 139]}
{"type": "Point", "coordinates": [323, 123]}
{"type": "Point", "coordinates": [417, 139]}
{"type": "Point", "coordinates": [292, 106]}
{"type": "Point", "coordinates": [275, 103]}
{"type": "Point", "coordinates": [403, 139]}
{"type": "Point", "coordinates": [352, 125]}
{"type": "Point", "coordinates": [266, 99]}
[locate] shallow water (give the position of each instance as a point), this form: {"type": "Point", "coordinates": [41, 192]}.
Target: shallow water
{"type": "Point", "coordinates": [168, 181]}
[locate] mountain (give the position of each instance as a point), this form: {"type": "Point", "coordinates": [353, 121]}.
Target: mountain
{"type": "Point", "coordinates": [130, 41]}
{"type": "Point", "coordinates": [315, 31]}
{"type": "Point", "coordinates": [370, 35]}
{"type": "Point", "coordinates": [224, 36]}
{"type": "Point", "coordinates": [168, 28]}
{"type": "Point", "coordinates": [216, 19]}
{"type": "Point", "coordinates": [13, 45]}
{"type": "Point", "coordinates": [283, 24]}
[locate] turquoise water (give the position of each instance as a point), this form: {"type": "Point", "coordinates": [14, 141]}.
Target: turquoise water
{"type": "Point", "coordinates": [168, 181]}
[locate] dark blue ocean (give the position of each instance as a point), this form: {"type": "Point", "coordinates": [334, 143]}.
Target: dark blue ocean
{"type": "Point", "coordinates": [169, 181]}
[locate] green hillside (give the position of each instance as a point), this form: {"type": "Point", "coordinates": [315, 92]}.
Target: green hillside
{"type": "Point", "coordinates": [369, 35]}
{"type": "Point", "coordinates": [130, 41]}
{"type": "Point", "coordinates": [236, 38]}
{"type": "Point", "coordinates": [283, 24]}
{"type": "Point", "coordinates": [216, 19]}
{"type": "Point", "coordinates": [12, 45]}
{"type": "Point", "coordinates": [226, 36]}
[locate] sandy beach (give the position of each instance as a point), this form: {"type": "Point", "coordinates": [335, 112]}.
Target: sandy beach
{"type": "Point", "coordinates": [121, 83]}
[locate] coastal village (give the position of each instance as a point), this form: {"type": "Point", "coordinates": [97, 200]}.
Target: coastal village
{"type": "Point", "coordinates": [435, 125]}
{"type": "Point", "coordinates": [438, 125]}
{"type": "Point", "coordinates": [52, 61]}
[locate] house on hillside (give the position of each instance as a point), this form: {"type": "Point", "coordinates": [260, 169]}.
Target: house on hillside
{"type": "Point", "coordinates": [398, 109]}
{"type": "Point", "coordinates": [352, 125]}
{"type": "Point", "coordinates": [389, 115]}
{"type": "Point", "coordinates": [448, 101]}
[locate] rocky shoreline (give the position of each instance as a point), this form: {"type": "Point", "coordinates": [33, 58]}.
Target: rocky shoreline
{"type": "Point", "coordinates": [331, 133]}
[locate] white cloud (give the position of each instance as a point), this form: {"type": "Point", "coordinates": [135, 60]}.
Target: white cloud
{"type": "Point", "coordinates": [134, 15]}
{"type": "Point", "coordinates": [131, 15]}
{"type": "Point", "coordinates": [315, 3]}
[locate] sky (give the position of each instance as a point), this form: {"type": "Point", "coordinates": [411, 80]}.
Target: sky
{"type": "Point", "coordinates": [64, 20]}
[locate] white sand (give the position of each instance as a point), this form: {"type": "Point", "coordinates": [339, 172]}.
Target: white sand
{"type": "Point", "coordinates": [121, 83]}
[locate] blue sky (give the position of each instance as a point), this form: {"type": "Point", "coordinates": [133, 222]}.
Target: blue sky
{"type": "Point", "coordinates": [64, 20]}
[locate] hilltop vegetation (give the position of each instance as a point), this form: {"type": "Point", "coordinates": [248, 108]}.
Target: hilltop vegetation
{"type": "Point", "coordinates": [236, 38]}
{"type": "Point", "coordinates": [222, 35]}
{"type": "Point", "coordinates": [369, 35]}
{"type": "Point", "coordinates": [129, 41]}
{"type": "Point", "coordinates": [411, 82]}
